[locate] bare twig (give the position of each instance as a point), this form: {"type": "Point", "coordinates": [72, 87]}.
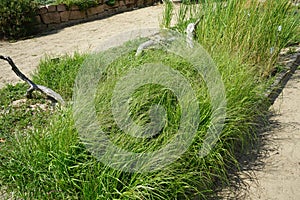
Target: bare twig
{"type": "Point", "coordinates": [53, 96]}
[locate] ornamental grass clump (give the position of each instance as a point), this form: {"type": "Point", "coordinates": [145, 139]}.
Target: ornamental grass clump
{"type": "Point", "coordinates": [48, 160]}
{"type": "Point", "coordinates": [253, 30]}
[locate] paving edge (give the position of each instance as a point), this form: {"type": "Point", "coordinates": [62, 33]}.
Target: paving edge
{"type": "Point", "coordinates": [282, 78]}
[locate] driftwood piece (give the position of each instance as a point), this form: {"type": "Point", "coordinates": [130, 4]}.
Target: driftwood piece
{"type": "Point", "coordinates": [145, 45]}
{"type": "Point", "coordinates": [53, 96]}
{"type": "Point", "coordinates": [190, 32]}
{"type": "Point", "coordinates": [157, 39]}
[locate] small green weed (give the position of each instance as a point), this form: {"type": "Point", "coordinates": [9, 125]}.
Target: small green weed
{"type": "Point", "coordinates": [82, 4]}
{"type": "Point", "coordinates": [18, 114]}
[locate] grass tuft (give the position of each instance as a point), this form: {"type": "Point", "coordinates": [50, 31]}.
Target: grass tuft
{"type": "Point", "coordinates": [43, 157]}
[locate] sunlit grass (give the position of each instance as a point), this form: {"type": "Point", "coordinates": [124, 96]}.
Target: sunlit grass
{"type": "Point", "coordinates": [51, 162]}
{"type": "Point", "coordinates": [48, 161]}
{"type": "Point", "coordinates": [252, 30]}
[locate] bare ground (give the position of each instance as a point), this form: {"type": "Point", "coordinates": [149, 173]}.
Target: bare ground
{"type": "Point", "coordinates": [81, 38]}
{"type": "Point", "coordinates": [279, 174]}
{"type": "Point", "coordinates": [279, 177]}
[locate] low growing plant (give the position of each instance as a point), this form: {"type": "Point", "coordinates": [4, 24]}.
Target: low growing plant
{"type": "Point", "coordinates": [82, 4]}
{"type": "Point", "coordinates": [16, 17]}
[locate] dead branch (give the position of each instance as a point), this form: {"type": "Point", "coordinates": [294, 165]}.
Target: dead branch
{"type": "Point", "coordinates": [155, 40]}
{"type": "Point", "coordinates": [145, 45]}
{"type": "Point", "coordinates": [53, 96]}
{"type": "Point", "coordinates": [190, 33]}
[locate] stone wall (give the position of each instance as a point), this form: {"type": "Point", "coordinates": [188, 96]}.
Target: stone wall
{"type": "Point", "coordinates": [58, 16]}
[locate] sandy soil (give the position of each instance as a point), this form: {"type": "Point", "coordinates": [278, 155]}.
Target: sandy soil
{"type": "Point", "coordinates": [279, 178]}
{"type": "Point", "coordinates": [82, 38]}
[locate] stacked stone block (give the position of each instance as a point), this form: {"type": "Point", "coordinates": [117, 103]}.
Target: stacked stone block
{"type": "Point", "coordinates": [58, 16]}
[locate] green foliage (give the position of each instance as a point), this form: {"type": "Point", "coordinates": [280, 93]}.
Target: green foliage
{"type": "Point", "coordinates": [50, 162]}
{"type": "Point", "coordinates": [59, 73]}
{"type": "Point", "coordinates": [45, 2]}
{"type": "Point", "coordinates": [110, 2]}
{"type": "Point", "coordinates": [46, 160]}
{"type": "Point", "coordinates": [167, 14]}
{"type": "Point", "coordinates": [252, 30]}
{"type": "Point", "coordinates": [21, 116]}
{"type": "Point", "coordinates": [82, 4]}
{"type": "Point", "coordinates": [16, 17]}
